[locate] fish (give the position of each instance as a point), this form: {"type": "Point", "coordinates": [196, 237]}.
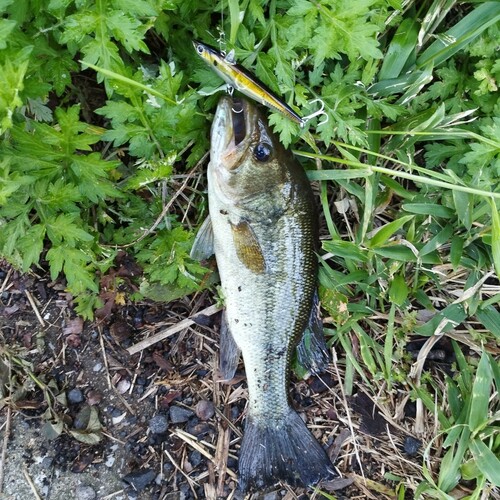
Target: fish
{"type": "Point", "coordinates": [240, 79]}
{"type": "Point", "coordinates": [262, 228]}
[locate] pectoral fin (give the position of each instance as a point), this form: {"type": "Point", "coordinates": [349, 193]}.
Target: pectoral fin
{"type": "Point", "coordinates": [312, 352]}
{"type": "Point", "coordinates": [247, 247]}
{"type": "Point", "coordinates": [229, 352]}
{"type": "Point", "coordinates": [203, 246]}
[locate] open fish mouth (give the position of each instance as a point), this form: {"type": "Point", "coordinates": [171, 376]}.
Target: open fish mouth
{"type": "Point", "coordinates": [231, 131]}
{"type": "Point", "coordinates": [239, 121]}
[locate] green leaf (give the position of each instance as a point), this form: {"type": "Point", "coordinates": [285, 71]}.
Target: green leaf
{"type": "Point", "coordinates": [449, 473]}
{"type": "Point", "coordinates": [385, 232]}
{"type": "Point", "coordinates": [456, 251]}
{"type": "Point", "coordinates": [495, 236]}
{"type": "Point", "coordinates": [438, 240]}
{"type": "Point", "coordinates": [462, 34]}
{"type": "Point", "coordinates": [333, 175]}
{"type": "Point", "coordinates": [345, 249]}
{"type": "Point", "coordinates": [6, 27]}
{"type": "Point", "coordinates": [31, 245]}
{"type": "Point", "coordinates": [428, 209]}
{"type": "Point", "coordinates": [486, 461]}
{"type": "Point", "coordinates": [400, 49]}
{"type": "Point", "coordinates": [398, 291]}
{"type": "Point", "coordinates": [481, 389]}
{"type": "Point", "coordinates": [67, 228]}
{"type": "Point", "coordinates": [490, 318]}
{"type": "Point", "coordinates": [12, 73]}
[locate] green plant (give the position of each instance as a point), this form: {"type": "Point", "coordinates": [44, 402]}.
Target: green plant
{"type": "Point", "coordinates": [104, 108]}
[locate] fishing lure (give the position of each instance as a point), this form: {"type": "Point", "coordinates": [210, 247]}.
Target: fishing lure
{"type": "Point", "coordinates": [240, 79]}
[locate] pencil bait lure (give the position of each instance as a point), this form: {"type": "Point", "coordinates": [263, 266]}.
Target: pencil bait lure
{"type": "Point", "coordinates": [240, 79]}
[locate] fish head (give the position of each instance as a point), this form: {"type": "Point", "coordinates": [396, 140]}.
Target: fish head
{"type": "Point", "coordinates": [247, 159]}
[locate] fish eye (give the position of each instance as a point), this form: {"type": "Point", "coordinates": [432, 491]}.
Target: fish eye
{"type": "Point", "coordinates": [200, 49]}
{"type": "Point", "coordinates": [262, 152]}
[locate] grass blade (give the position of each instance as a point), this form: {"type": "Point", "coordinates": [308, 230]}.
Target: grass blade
{"type": "Point", "coordinates": [400, 49]}
{"type": "Point", "coordinates": [458, 37]}
{"type": "Point", "coordinates": [481, 389]}
{"type": "Point", "coordinates": [490, 318]}
{"type": "Point", "coordinates": [486, 460]}
{"type": "Point", "coordinates": [386, 231]}
{"type": "Point", "coordinates": [388, 345]}
{"type": "Point", "coordinates": [495, 236]}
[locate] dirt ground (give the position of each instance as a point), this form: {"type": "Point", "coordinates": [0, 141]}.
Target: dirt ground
{"type": "Point", "coordinates": [83, 418]}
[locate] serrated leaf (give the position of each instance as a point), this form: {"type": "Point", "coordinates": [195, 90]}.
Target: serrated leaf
{"type": "Point", "coordinates": [6, 27]}
{"type": "Point", "coordinates": [67, 228]}
{"type": "Point", "coordinates": [31, 245]}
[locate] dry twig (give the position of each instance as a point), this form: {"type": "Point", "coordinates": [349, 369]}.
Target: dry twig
{"type": "Point", "coordinates": [34, 307]}
{"type": "Point", "coordinates": [4, 445]}
{"type": "Point", "coordinates": [32, 484]}
{"type": "Point", "coordinates": [185, 323]}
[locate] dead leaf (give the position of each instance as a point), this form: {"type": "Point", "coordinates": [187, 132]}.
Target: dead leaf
{"type": "Point", "coordinates": [74, 326]}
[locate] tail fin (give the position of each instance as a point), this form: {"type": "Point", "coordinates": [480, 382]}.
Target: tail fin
{"type": "Point", "coordinates": [284, 450]}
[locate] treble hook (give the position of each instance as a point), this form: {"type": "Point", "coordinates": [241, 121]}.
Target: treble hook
{"type": "Point", "coordinates": [320, 111]}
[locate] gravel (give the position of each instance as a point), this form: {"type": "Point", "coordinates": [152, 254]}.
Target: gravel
{"type": "Point", "coordinates": [139, 479]}
{"type": "Point", "coordinates": [75, 396]}
{"type": "Point", "coordinates": [158, 424]}
{"type": "Point", "coordinates": [179, 415]}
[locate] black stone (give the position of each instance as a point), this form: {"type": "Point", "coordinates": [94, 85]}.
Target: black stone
{"type": "Point", "coordinates": [179, 415]}
{"type": "Point", "coordinates": [140, 479]}
{"type": "Point", "coordinates": [411, 445]}
{"type": "Point", "coordinates": [158, 424]}
{"type": "Point", "coordinates": [75, 396]}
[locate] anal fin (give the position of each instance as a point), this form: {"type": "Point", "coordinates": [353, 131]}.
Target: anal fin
{"type": "Point", "coordinates": [229, 355]}
{"type": "Point", "coordinates": [312, 352]}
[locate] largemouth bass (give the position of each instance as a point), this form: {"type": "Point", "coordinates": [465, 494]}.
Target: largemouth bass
{"type": "Point", "coordinates": [262, 229]}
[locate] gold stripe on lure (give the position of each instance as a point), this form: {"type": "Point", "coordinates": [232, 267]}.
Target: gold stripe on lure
{"type": "Point", "coordinates": [239, 78]}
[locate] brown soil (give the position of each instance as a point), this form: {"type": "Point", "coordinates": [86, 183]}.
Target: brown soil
{"type": "Point", "coordinates": [44, 344]}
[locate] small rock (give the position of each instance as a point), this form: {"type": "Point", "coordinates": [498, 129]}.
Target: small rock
{"type": "Point", "coordinates": [179, 415]}
{"type": "Point", "coordinates": [47, 462]}
{"type": "Point", "coordinates": [84, 492]}
{"type": "Point", "coordinates": [97, 367]}
{"type": "Point", "coordinates": [75, 396]}
{"type": "Point", "coordinates": [205, 410]}
{"type": "Point", "coordinates": [198, 429]}
{"type": "Point", "coordinates": [123, 386]}
{"type": "Point", "coordinates": [195, 458]}
{"type": "Point", "coordinates": [158, 424]}
{"type": "Point", "coordinates": [272, 495]}
{"type": "Point", "coordinates": [321, 383]}
{"type": "Point", "coordinates": [94, 397]}
{"type": "Point", "coordinates": [412, 445]}
{"type": "Point", "coordinates": [139, 479]}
